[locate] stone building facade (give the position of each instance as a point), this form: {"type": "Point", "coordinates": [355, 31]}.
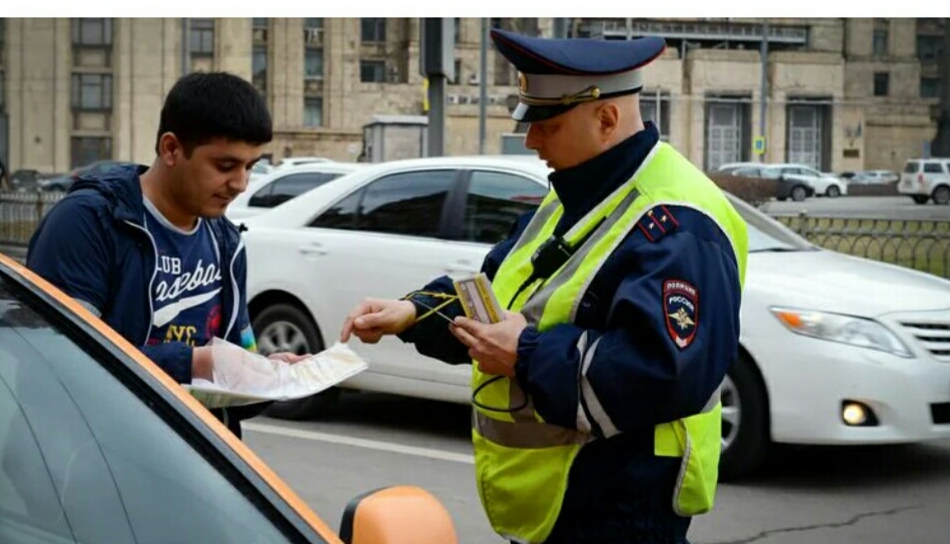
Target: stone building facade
{"type": "Point", "coordinates": [842, 94]}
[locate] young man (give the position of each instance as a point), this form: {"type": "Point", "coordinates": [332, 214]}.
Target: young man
{"type": "Point", "coordinates": [597, 413]}
{"type": "Point", "coordinates": [148, 249]}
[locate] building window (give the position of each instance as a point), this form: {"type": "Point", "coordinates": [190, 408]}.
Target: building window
{"type": "Point", "coordinates": [372, 71]}
{"type": "Point", "coordinates": [457, 27]}
{"type": "Point", "coordinates": [373, 30]}
{"type": "Point", "coordinates": [92, 92]}
{"type": "Point", "coordinates": [313, 63]}
{"type": "Point", "coordinates": [880, 43]}
{"type": "Point", "coordinates": [259, 30]}
{"type": "Point", "coordinates": [929, 87]}
{"type": "Point", "coordinates": [313, 32]}
{"type": "Point", "coordinates": [202, 37]}
{"type": "Point", "coordinates": [313, 112]}
{"type": "Point", "coordinates": [929, 47]}
{"type": "Point", "coordinates": [92, 32]}
{"type": "Point", "coordinates": [259, 68]}
{"type": "Point", "coordinates": [881, 83]}
{"type": "Point", "coordinates": [88, 149]}
{"type": "Point", "coordinates": [650, 104]}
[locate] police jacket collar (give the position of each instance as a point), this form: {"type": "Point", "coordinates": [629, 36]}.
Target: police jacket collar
{"type": "Point", "coordinates": [581, 187]}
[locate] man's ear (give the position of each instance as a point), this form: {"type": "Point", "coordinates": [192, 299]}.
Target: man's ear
{"type": "Point", "coordinates": [170, 149]}
{"type": "Point", "coordinates": [608, 116]}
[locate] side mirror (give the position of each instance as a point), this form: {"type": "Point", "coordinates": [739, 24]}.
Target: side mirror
{"type": "Point", "coordinates": [397, 515]}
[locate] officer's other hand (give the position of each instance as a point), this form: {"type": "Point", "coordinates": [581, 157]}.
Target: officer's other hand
{"type": "Point", "coordinates": [374, 318]}
{"type": "Point", "coordinates": [493, 346]}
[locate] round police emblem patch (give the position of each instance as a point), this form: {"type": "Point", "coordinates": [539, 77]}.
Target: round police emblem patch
{"type": "Point", "coordinates": [681, 310]}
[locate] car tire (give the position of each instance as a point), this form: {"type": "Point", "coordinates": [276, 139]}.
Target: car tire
{"type": "Point", "coordinates": [941, 195]}
{"type": "Point", "coordinates": [286, 327]}
{"type": "Point", "coordinates": [920, 199]}
{"type": "Point", "coordinates": [799, 193]}
{"type": "Point", "coordinates": [833, 191]}
{"type": "Point", "coordinates": [745, 421]}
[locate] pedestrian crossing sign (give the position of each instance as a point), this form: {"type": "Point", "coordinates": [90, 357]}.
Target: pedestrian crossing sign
{"type": "Point", "coordinates": [758, 145]}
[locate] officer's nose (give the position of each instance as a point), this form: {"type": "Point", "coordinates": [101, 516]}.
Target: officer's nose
{"type": "Point", "coordinates": [533, 138]}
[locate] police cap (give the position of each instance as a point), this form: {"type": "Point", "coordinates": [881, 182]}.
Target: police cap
{"type": "Point", "coordinates": [554, 75]}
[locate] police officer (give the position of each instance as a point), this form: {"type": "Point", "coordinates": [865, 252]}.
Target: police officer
{"type": "Point", "coordinates": [596, 400]}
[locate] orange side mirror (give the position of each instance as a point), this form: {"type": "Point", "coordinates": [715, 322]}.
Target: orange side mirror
{"type": "Point", "coordinates": [397, 515]}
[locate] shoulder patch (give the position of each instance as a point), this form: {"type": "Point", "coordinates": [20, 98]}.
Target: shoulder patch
{"type": "Point", "coordinates": [657, 223]}
{"type": "Point", "coordinates": [681, 311]}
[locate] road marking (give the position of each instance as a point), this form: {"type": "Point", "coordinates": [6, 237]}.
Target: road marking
{"type": "Point", "coordinates": [441, 455]}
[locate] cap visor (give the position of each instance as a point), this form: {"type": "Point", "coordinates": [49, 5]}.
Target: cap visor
{"type": "Point", "coordinates": [530, 114]}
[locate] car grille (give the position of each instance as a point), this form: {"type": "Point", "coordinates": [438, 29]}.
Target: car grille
{"type": "Point", "coordinates": [934, 337]}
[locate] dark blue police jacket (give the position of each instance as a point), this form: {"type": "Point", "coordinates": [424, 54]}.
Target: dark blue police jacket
{"type": "Point", "coordinates": [618, 491]}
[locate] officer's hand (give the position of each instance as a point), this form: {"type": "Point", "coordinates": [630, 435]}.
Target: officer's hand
{"type": "Point", "coordinates": [373, 318]}
{"type": "Point", "coordinates": [495, 346]}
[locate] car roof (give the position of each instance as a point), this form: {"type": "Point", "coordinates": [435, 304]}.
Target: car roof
{"type": "Point", "coordinates": [314, 200]}
{"type": "Point", "coordinates": [20, 274]}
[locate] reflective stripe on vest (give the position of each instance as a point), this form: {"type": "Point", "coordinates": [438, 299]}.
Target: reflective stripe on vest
{"type": "Point", "coordinates": [522, 462]}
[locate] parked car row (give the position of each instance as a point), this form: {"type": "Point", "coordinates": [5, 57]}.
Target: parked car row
{"type": "Point", "coordinates": [835, 349]}
{"type": "Point", "coordinates": [795, 181]}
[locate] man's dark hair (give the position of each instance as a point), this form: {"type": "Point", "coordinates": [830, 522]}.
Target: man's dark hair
{"type": "Point", "coordinates": [202, 106]}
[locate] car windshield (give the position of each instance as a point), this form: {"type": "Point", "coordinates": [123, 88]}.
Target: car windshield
{"type": "Point", "coordinates": [85, 458]}
{"type": "Point", "coordinates": [767, 234]}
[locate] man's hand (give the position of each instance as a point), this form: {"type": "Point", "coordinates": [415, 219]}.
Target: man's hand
{"type": "Point", "coordinates": [288, 357]}
{"type": "Point", "coordinates": [373, 318]}
{"type": "Point", "coordinates": [202, 364]}
{"type": "Point", "coordinates": [495, 346]}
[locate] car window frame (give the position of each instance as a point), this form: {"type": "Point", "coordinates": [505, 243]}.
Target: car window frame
{"type": "Point", "coordinates": [166, 405]}
{"type": "Point", "coordinates": [451, 203]}
{"type": "Point", "coordinates": [455, 227]}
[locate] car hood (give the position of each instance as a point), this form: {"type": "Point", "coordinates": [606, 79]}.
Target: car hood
{"type": "Point", "coordinates": [832, 281]}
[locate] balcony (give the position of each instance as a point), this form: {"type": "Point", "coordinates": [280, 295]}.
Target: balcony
{"type": "Point", "coordinates": [699, 31]}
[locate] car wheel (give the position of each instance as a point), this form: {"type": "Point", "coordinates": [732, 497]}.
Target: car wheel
{"type": "Point", "coordinates": [745, 422]}
{"type": "Point", "coordinates": [798, 193]}
{"type": "Point", "coordinates": [833, 191]}
{"type": "Point", "coordinates": [941, 195]}
{"type": "Point", "coordinates": [921, 199]}
{"type": "Point", "coordinates": [285, 327]}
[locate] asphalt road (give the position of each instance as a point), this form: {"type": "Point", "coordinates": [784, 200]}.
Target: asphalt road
{"type": "Point", "coordinates": [878, 495]}
{"type": "Point", "coordinates": [874, 207]}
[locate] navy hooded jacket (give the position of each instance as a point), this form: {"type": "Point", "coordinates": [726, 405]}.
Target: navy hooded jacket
{"type": "Point", "coordinates": [93, 246]}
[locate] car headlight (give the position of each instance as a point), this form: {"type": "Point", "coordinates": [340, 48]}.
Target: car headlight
{"type": "Point", "coordinates": [846, 329]}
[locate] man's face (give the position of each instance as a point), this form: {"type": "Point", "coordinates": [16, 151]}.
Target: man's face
{"type": "Point", "coordinates": [206, 182]}
{"type": "Point", "coordinates": [568, 139]}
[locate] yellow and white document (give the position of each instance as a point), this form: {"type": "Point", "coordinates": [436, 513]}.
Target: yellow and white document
{"type": "Point", "coordinates": [242, 377]}
{"type": "Point", "coordinates": [478, 300]}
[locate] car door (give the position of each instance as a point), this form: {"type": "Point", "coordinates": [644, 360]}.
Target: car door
{"type": "Point", "coordinates": [384, 240]}
{"type": "Point", "coordinates": [92, 450]}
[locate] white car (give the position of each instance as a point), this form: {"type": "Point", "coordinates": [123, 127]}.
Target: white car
{"type": "Point", "coordinates": [283, 184]}
{"type": "Point", "coordinates": [823, 183]}
{"type": "Point", "coordinates": [926, 179]}
{"type": "Point", "coordinates": [835, 349]}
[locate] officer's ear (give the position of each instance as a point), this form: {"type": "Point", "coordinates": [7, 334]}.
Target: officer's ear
{"type": "Point", "coordinates": [608, 115]}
